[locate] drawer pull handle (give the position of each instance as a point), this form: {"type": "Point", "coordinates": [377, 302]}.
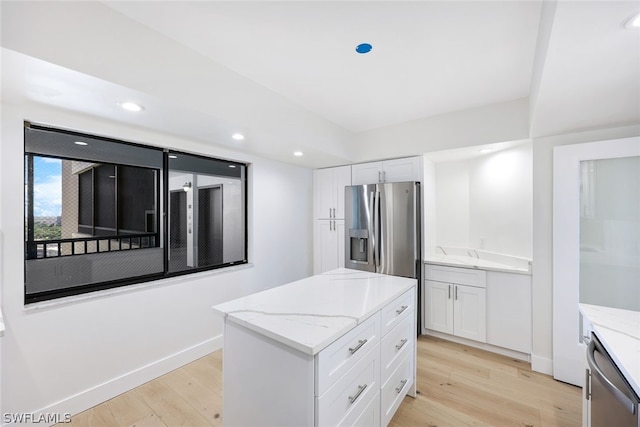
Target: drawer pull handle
{"type": "Point", "coordinates": [353, 398]}
{"type": "Point", "coordinates": [402, 343]}
{"type": "Point", "coordinates": [356, 348]}
{"type": "Point", "coordinates": [401, 386]}
{"type": "Point", "coordinates": [401, 309]}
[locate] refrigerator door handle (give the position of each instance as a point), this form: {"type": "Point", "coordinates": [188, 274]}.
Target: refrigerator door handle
{"type": "Point", "coordinates": [376, 227]}
{"type": "Point", "coordinates": [372, 230]}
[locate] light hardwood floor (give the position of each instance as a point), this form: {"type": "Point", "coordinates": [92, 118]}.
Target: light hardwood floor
{"type": "Point", "coordinates": [457, 386]}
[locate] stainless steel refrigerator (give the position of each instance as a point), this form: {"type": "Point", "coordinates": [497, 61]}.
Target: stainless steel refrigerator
{"type": "Point", "coordinates": [383, 228]}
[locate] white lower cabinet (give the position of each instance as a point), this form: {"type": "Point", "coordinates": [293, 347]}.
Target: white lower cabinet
{"type": "Point", "coordinates": [349, 396]}
{"type": "Point", "coordinates": [491, 307]}
{"type": "Point", "coordinates": [509, 310]}
{"type": "Point", "coordinates": [346, 383]}
{"type": "Point", "coordinates": [358, 380]}
{"type": "Point", "coordinates": [455, 302]}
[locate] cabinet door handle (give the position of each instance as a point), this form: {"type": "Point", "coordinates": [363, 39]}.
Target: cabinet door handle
{"type": "Point", "coordinates": [402, 343]}
{"type": "Point", "coordinates": [358, 347]}
{"type": "Point", "coordinates": [401, 309]}
{"type": "Point", "coordinates": [329, 212]}
{"type": "Point", "coordinates": [384, 176]}
{"type": "Point", "coordinates": [449, 291]}
{"type": "Point", "coordinates": [456, 296]}
{"type": "Point", "coordinates": [334, 213]}
{"type": "Point", "coordinates": [353, 398]}
{"type": "Point", "coordinates": [379, 176]}
{"type": "Point", "coordinates": [401, 386]}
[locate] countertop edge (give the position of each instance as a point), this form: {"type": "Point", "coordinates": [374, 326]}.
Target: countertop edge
{"type": "Point", "coordinates": [477, 267]}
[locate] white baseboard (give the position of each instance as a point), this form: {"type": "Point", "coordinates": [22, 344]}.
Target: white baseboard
{"type": "Point", "coordinates": [482, 346]}
{"type": "Point", "coordinates": [542, 364]}
{"type": "Point", "coordinates": [109, 389]}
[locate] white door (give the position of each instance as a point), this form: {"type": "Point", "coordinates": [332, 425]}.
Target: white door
{"type": "Point", "coordinates": [366, 173]}
{"type": "Point", "coordinates": [439, 306]}
{"type": "Point", "coordinates": [323, 193]}
{"type": "Point", "coordinates": [568, 348]}
{"type": "Point", "coordinates": [326, 246]}
{"type": "Point", "coordinates": [470, 313]}
{"type": "Point", "coordinates": [341, 178]}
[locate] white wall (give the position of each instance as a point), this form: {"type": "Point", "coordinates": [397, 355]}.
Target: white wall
{"type": "Point", "coordinates": [485, 202]}
{"type": "Point", "coordinates": [70, 356]}
{"type": "Point", "coordinates": [542, 289]}
{"type": "Point", "coordinates": [506, 121]}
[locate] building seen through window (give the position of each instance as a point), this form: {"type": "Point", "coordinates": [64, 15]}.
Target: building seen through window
{"type": "Point", "coordinates": [94, 213]}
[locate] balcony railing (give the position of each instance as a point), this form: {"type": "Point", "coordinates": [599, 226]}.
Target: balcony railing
{"type": "Point", "coordinates": [41, 249]}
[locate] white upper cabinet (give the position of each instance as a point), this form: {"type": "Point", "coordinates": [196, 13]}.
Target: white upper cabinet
{"type": "Point", "coordinates": [328, 192]}
{"type": "Point", "coordinates": [396, 170]}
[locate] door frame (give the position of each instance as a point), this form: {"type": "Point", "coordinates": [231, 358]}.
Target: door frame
{"type": "Point", "coordinates": [568, 346]}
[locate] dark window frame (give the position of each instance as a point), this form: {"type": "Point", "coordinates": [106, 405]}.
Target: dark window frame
{"type": "Point", "coordinates": [161, 220]}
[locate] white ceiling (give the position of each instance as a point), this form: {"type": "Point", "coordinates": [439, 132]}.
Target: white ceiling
{"type": "Point", "coordinates": [428, 58]}
{"type": "Point", "coordinates": [287, 75]}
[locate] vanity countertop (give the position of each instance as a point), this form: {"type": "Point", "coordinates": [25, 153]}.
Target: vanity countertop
{"type": "Point", "coordinates": [311, 313]}
{"type": "Point", "coordinates": [619, 332]}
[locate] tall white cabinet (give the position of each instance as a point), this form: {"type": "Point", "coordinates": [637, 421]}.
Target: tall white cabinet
{"type": "Point", "coordinates": [328, 211]}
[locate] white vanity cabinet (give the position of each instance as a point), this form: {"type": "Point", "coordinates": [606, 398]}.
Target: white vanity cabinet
{"type": "Point", "coordinates": [278, 371]}
{"type": "Point", "coordinates": [395, 170]}
{"type": "Point", "coordinates": [455, 301]}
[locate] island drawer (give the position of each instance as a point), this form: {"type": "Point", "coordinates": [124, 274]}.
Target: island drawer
{"type": "Point", "coordinates": [351, 394]}
{"type": "Point", "coordinates": [395, 346]}
{"type": "Point", "coordinates": [394, 390]}
{"type": "Point", "coordinates": [335, 360]}
{"type": "Point", "coordinates": [398, 310]}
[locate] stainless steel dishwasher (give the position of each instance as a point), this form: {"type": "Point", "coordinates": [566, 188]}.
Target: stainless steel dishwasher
{"type": "Point", "coordinates": [613, 401]}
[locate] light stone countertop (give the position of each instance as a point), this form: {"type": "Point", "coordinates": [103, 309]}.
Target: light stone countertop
{"type": "Point", "coordinates": [619, 332]}
{"type": "Point", "coordinates": [478, 259]}
{"type": "Point", "coordinates": [311, 313]}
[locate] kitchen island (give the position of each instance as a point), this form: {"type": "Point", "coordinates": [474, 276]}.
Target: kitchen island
{"type": "Point", "coordinates": [332, 349]}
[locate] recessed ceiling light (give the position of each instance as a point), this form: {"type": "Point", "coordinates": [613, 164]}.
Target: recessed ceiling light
{"type": "Point", "coordinates": [80, 143]}
{"type": "Point", "coordinates": [633, 22]}
{"type": "Point", "coordinates": [298, 153]}
{"type": "Point", "coordinates": [131, 106]}
{"type": "Point", "coordinates": [363, 48]}
{"type": "Point", "coordinates": [237, 136]}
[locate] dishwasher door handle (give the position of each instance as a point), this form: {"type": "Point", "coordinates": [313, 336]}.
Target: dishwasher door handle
{"type": "Point", "coordinates": [595, 370]}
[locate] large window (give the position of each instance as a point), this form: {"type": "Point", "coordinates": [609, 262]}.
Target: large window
{"type": "Point", "coordinates": [101, 213]}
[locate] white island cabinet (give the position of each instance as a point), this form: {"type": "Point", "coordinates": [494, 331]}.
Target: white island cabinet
{"type": "Point", "coordinates": [335, 349]}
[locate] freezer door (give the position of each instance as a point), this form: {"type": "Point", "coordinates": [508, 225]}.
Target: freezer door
{"type": "Point", "coordinates": [360, 234]}
{"type": "Point", "coordinates": [398, 225]}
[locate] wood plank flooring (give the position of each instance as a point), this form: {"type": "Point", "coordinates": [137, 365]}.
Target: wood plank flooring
{"type": "Point", "coordinates": [457, 386]}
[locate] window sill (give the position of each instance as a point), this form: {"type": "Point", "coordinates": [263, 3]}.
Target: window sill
{"type": "Point", "coordinates": [51, 304]}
